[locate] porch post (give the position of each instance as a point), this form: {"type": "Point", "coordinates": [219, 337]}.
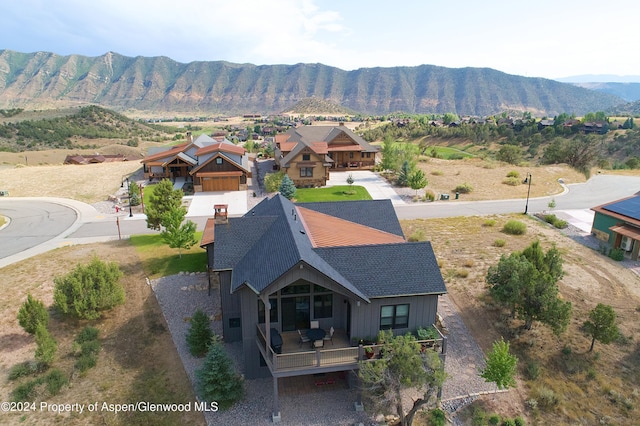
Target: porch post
{"type": "Point", "coordinates": [275, 416]}
{"type": "Point", "coordinates": [267, 321]}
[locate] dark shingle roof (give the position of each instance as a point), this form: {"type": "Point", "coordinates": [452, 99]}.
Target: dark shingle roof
{"type": "Point", "coordinates": [387, 270]}
{"type": "Point", "coordinates": [267, 242]}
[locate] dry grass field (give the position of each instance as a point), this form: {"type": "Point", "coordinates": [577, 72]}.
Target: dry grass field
{"type": "Point", "coordinates": [602, 387]}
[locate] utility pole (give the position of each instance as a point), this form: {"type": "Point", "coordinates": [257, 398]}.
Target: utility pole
{"type": "Point", "coordinates": [527, 179]}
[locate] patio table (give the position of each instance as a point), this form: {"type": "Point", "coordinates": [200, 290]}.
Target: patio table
{"type": "Point", "coordinates": [316, 334]}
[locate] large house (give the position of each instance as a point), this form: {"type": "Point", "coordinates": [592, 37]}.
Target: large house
{"type": "Point", "coordinates": [307, 154]}
{"type": "Point", "coordinates": [618, 224]}
{"type": "Point", "coordinates": [345, 267]}
{"type": "Point", "coordinates": [212, 164]}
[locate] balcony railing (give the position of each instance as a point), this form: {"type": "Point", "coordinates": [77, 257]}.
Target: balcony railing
{"type": "Point", "coordinates": [327, 358]}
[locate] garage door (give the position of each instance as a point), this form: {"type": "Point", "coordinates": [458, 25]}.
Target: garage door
{"type": "Point", "coordinates": [225, 183]}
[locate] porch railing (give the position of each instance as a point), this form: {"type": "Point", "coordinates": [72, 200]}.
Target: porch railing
{"type": "Point", "coordinates": [348, 356]}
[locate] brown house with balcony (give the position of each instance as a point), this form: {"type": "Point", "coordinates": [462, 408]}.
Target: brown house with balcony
{"type": "Point", "coordinates": [307, 154]}
{"type": "Point", "coordinates": [300, 283]}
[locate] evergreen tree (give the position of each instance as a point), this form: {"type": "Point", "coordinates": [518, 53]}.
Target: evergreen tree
{"type": "Point", "coordinates": [200, 334]}
{"type": "Point", "coordinates": [31, 314]}
{"type": "Point", "coordinates": [287, 188]}
{"type": "Point", "coordinates": [46, 345]}
{"type": "Point", "coordinates": [405, 172]}
{"type": "Point", "coordinates": [162, 200]}
{"type": "Point", "coordinates": [217, 379]}
{"type": "Point", "coordinates": [601, 325]}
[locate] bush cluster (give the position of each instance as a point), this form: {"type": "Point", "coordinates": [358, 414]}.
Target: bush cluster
{"type": "Point", "coordinates": [553, 220]}
{"type": "Point", "coordinates": [87, 347]}
{"type": "Point", "coordinates": [514, 227]}
{"type": "Point", "coordinates": [464, 188]}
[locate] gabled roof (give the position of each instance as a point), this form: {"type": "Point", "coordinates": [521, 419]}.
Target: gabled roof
{"type": "Point", "coordinates": [221, 147]}
{"type": "Point", "coordinates": [239, 166]}
{"type": "Point", "coordinates": [368, 257]}
{"type": "Point", "coordinates": [169, 153]}
{"type": "Point", "coordinates": [319, 139]}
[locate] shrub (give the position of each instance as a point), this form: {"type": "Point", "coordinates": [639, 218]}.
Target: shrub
{"type": "Point", "coordinates": [499, 243]}
{"type": "Point", "coordinates": [437, 173]}
{"type": "Point", "coordinates": [199, 335]}
{"type": "Point", "coordinates": [494, 419]}
{"type": "Point", "coordinates": [88, 349]}
{"type": "Point", "coordinates": [89, 289]}
{"type": "Point", "coordinates": [532, 370]}
{"type": "Point", "coordinates": [23, 369]}
{"type": "Point", "coordinates": [437, 417]}
{"type": "Point", "coordinates": [508, 422]}
{"type": "Point", "coordinates": [519, 421]}
{"type": "Point", "coordinates": [55, 380]}
{"type": "Point", "coordinates": [553, 220]}
{"type": "Point", "coordinates": [462, 273]}
{"type": "Point", "coordinates": [547, 398]}
{"type": "Point", "coordinates": [489, 222]}
{"type": "Point", "coordinates": [468, 263]}
{"type": "Point", "coordinates": [418, 235]}
{"type": "Point", "coordinates": [514, 227]}
{"type": "Point", "coordinates": [87, 334]}
{"type": "Point", "coordinates": [31, 314]}
{"type": "Point", "coordinates": [429, 195]}
{"type": "Point", "coordinates": [46, 346]}
{"type": "Point", "coordinates": [272, 181]}
{"type": "Point", "coordinates": [511, 181]}
{"type": "Point", "coordinates": [464, 188]}
{"type": "Point", "coordinates": [617, 254]}
{"type": "Point", "coordinates": [513, 174]}
{"type": "Point", "coordinates": [217, 380]}
{"type": "Point", "coordinates": [428, 333]}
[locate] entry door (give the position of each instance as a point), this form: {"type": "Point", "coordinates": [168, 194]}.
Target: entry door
{"type": "Point", "coordinates": [295, 313]}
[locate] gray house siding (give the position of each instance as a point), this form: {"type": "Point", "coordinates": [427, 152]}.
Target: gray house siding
{"type": "Point", "coordinates": [231, 309]}
{"type": "Point", "coordinates": [365, 319]}
{"type": "Point", "coordinates": [253, 369]}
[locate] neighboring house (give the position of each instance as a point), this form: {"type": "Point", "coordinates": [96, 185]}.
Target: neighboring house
{"type": "Point", "coordinates": [212, 164]}
{"type": "Point", "coordinates": [307, 153]}
{"type": "Point", "coordinates": [345, 265]}
{"type": "Point", "coordinates": [618, 224]}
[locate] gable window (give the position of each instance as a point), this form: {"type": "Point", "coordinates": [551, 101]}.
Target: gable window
{"type": "Point", "coordinates": [306, 171]}
{"type": "Point", "coordinates": [218, 160]}
{"type": "Point", "coordinates": [323, 306]}
{"type": "Point", "coordinates": [394, 316]}
{"type": "Point", "coordinates": [306, 157]}
{"type": "Point", "coordinates": [273, 316]}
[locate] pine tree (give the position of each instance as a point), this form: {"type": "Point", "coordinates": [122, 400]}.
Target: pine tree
{"type": "Point", "coordinates": [200, 334]}
{"type": "Point", "coordinates": [31, 314]}
{"type": "Point", "coordinates": [46, 345]}
{"type": "Point", "coordinates": [287, 188]}
{"type": "Point", "coordinates": [217, 379]}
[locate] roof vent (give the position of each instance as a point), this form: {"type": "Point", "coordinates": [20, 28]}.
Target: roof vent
{"type": "Point", "coordinates": [302, 231]}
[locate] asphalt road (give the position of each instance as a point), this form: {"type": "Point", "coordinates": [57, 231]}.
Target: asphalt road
{"type": "Point", "coordinates": [38, 225]}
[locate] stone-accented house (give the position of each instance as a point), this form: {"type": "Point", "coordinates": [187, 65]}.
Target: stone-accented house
{"type": "Point", "coordinates": [212, 164]}
{"type": "Point", "coordinates": [308, 153]}
{"type": "Point", "coordinates": [618, 224]}
{"type": "Point", "coordinates": [344, 265]}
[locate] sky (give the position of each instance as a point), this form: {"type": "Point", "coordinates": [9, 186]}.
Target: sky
{"type": "Point", "coordinates": [546, 38]}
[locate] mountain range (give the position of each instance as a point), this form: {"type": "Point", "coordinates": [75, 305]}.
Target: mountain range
{"type": "Point", "coordinates": [44, 80]}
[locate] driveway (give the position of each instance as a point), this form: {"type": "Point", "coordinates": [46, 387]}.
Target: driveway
{"type": "Point", "coordinates": [378, 188]}
{"type": "Point", "coordinates": [201, 203]}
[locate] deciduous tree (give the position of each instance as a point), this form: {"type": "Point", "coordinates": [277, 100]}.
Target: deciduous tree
{"type": "Point", "coordinates": [417, 180]}
{"type": "Point", "coordinates": [500, 366]}
{"type": "Point", "coordinates": [177, 234]}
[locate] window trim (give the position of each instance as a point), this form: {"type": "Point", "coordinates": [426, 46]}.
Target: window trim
{"type": "Point", "coordinates": [306, 171]}
{"type": "Point", "coordinates": [394, 324]}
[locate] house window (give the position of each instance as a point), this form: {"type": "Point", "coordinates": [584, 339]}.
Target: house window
{"type": "Point", "coordinates": [362, 155]}
{"type": "Point", "coordinates": [234, 323]}
{"type": "Point", "coordinates": [306, 172]}
{"type": "Point", "coordinates": [296, 289]}
{"type": "Point", "coordinates": [218, 160]}
{"type": "Point", "coordinates": [273, 317]}
{"type": "Point", "coordinates": [351, 155]}
{"type": "Point", "coordinates": [394, 316]}
{"type": "Point", "coordinates": [306, 157]}
{"type": "Point", "coordinates": [368, 155]}
{"type": "Point", "coordinates": [323, 306]}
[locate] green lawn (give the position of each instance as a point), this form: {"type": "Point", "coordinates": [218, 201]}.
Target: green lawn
{"type": "Point", "coordinates": [332, 193]}
{"type": "Point", "coordinates": [158, 260]}
{"type": "Point", "coordinates": [450, 153]}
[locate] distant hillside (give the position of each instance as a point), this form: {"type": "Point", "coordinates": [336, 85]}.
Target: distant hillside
{"type": "Point", "coordinates": [45, 80]}
{"type": "Point", "coordinates": [628, 91]}
{"type": "Point", "coordinates": [630, 109]}
{"type": "Point", "coordinates": [319, 106]}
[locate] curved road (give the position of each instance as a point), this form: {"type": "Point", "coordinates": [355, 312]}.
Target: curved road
{"type": "Point", "coordinates": [41, 224]}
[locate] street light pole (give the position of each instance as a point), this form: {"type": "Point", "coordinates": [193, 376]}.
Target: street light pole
{"type": "Point", "coordinates": [527, 179]}
{"type": "Point", "coordinates": [129, 189]}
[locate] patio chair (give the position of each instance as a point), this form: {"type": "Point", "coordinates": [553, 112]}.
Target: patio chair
{"type": "Point", "coordinates": [330, 335]}
{"type": "Point", "coordinates": [303, 338]}
{"type": "Point", "coordinates": [315, 324]}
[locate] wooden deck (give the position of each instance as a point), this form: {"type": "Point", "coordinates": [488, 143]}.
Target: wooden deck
{"type": "Point", "coordinates": [298, 359]}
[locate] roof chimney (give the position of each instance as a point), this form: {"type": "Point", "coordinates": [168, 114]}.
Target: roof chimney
{"type": "Point", "coordinates": [341, 123]}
